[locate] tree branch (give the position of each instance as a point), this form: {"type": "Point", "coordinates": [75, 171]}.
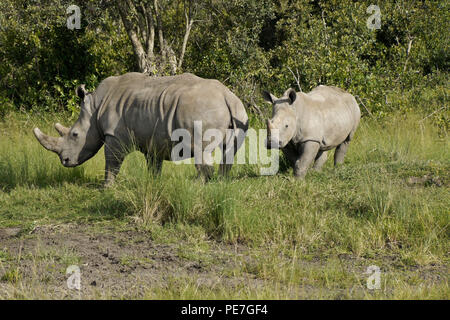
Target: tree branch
{"type": "Point", "coordinates": [297, 78]}
{"type": "Point", "coordinates": [407, 53]}
{"type": "Point", "coordinates": [150, 28]}
{"type": "Point", "coordinates": [189, 23]}
{"type": "Point", "coordinates": [137, 45]}
{"type": "Point", "coordinates": [160, 26]}
{"type": "Point", "coordinates": [368, 111]}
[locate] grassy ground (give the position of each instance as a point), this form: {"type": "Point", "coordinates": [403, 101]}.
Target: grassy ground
{"type": "Point", "coordinates": [247, 236]}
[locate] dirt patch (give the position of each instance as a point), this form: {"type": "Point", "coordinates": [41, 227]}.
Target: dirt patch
{"type": "Point", "coordinates": [128, 264]}
{"type": "Point", "coordinates": [426, 180]}
{"type": "Point", "coordinates": [9, 232]}
{"type": "Point", "coordinates": [112, 264]}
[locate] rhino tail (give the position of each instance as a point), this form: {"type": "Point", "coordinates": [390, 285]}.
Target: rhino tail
{"type": "Point", "coordinates": [238, 123]}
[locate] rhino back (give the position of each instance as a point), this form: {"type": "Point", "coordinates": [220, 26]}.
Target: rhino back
{"type": "Point", "coordinates": [328, 114]}
{"type": "Point", "coordinates": [151, 108]}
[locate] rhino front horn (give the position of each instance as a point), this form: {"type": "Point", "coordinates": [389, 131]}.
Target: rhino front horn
{"type": "Point", "coordinates": [49, 143]}
{"type": "Point", "coordinates": [61, 129]}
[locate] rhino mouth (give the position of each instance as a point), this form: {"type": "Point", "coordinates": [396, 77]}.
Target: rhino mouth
{"type": "Point", "coordinates": [272, 141]}
{"type": "Point", "coordinates": [66, 162]}
{"type": "Point", "coordinates": [273, 144]}
{"type": "Point", "coordinates": [69, 165]}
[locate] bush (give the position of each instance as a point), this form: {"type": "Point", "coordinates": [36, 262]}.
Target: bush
{"type": "Point", "coordinates": [248, 45]}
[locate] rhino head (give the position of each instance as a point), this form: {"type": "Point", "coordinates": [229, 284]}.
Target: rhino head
{"type": "Point", "coordinates": [284, 119]}
{"type": "Point", "coordinates": [78, 143]}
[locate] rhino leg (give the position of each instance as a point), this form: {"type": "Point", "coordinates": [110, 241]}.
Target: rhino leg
{"type": "Point", "coordinates": [320, 160]}
{"type": "Point", "coordinates": [204, 165]}
{"type": "Point", "coordinates": [341, 149]}
{"type": "Point", "coordinates": [230, 147]}
{"type": "Point", "coordinates": [308, 151]}
{"type": "Point", "coordinates": [227, 160]}
{"type": "Point", "coordinates": [114, 155]}
{"type": "Point", "coordinates": [205, 171]}
{"type": "Point", "coordinates": [340, 152]}
{"type": "Point", "coordinates": [291, 155]}
{"type": "Point", "coordinates": [228, 154]}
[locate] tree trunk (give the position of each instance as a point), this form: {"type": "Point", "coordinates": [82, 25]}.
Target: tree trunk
{"type": "Point", "coordinates": [142, 21]}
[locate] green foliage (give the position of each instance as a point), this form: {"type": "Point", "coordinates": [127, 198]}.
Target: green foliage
{"type": "Point", "coordinates": [249, 45]}
{"type": "Point", "coordinates": [43, 61]}
{"type": "Point", "coordinates": [328, 42]}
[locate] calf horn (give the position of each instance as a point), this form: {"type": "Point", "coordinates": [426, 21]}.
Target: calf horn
{"type": "Point", "coordinates": [49, 143]}
{"type": "Point", "coordinates": [61, 129]}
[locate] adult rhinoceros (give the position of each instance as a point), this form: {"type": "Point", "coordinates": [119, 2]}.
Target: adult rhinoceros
{"type": "Point", "coordinates": [135, 110]}
{"type": "Point", "coordinates": [311, 124]}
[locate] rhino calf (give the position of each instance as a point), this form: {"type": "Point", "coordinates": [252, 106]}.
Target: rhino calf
{"type": "Point", "coordinates": [311, 124]}
{"type": "Point", "coordinates": [137, 111]}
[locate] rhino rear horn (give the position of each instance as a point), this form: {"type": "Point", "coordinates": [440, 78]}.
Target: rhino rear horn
{"type": "Point", "coordinates": [61, 129]}
{"type": "Point", "coordinates": [49, 143]}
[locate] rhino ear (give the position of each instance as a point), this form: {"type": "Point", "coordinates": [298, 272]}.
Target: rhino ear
{"type": "Point", "coordinates": [292, 95]}
{"type": "Point", "coordinates": [268, 97]}
{"type": "Point", "coordinates": [81, 91]}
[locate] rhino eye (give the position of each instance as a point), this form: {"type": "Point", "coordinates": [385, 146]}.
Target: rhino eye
{"type": "Point", "coordinates": [74, 134]}
{"type": "Point", "coordinates": [287, 126]}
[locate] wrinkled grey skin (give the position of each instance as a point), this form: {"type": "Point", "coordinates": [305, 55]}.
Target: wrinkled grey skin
{"type": "Point", "coordinates": [311, 124]}
{"type": "Point", "coordinates": [137, 110]}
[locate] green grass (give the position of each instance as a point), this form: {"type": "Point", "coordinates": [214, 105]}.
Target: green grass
{"type": "Point", "coordinates": [295, 232]}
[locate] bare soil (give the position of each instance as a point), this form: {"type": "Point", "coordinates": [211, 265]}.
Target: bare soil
{"type": "Point", "coordinates": [127, 264]}
{"type": "Point", "coordinates": [113, 264]}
